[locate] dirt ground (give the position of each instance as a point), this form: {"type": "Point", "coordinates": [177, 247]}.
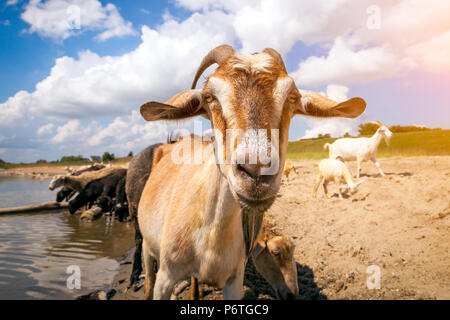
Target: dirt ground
{"type": "Point", "coordinates": [399, 223]}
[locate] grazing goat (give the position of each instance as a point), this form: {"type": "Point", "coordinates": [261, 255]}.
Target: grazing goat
{"type": "Point", "coordinates": [64, 194]}
{"type": "Point", "coordinates": [337, 171]}
{"type": "Point", "coordinates": [288, 167]}
{"type": "Point", "coordinates": [202, 218]}
{"type": "Point", "coordinates": [273, 258]}
{"type": "Point", "coordinates": [360, 149]}
{"type": "Point", "coordinates": [100, 191]}
{"type": "Point", "coordinates": [78, 183]}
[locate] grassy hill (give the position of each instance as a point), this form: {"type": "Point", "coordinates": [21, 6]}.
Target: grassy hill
{"type": "Point", "coordinates": [422, 143]}
{"type": "Point", "coordinates": [425, 143]}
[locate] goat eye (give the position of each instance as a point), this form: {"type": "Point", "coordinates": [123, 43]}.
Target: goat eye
{"type": "Point", "coordinates": [209, 98]}
{"type": "Point", "coordinates": [292, 99]}
{"type": "Point", "coordinates": [276, 252]}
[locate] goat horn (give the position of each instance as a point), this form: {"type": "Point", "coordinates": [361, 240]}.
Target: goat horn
{"type": "Point", "coordinates": [277, 56]}
{"type": "Point", "coordinates": [378, 123]}
{"type": "Point", "coordinates": [217, 55]}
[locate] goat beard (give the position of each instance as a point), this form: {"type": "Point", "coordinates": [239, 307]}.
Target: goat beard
{"type": "Point", "coordinates": [251, 226]}
{"type": "Point", "coordinates": [387, 140]}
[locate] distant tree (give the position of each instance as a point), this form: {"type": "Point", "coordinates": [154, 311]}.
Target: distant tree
{"type": "Point", "coordinates": [130, 154]}
{"type": "Point", "coordinates": [108, 156]}
{"type": "Point", "coordinates": [326, 136]}
{"type": "Point", "coordinates": [78, 158]}
{"type": "Point", "coordinates": [320, 136]}
{"type": "Point", "coordinates": [41, 161]}
{"type": "Point", "coordinates": [408, 128]}
{"type": "Point", "coordinates": [347, 135]}
{"type": "Point", "coordinates": [367, 129]}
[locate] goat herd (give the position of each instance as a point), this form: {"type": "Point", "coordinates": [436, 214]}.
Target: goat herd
{"type": "Point", "coordinates": [204, 220]}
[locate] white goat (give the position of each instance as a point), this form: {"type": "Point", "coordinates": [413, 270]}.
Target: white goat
{"type": "Point", "coordinates": [337, 171]}
{"type": "Point", "coordinates": [360, 149]}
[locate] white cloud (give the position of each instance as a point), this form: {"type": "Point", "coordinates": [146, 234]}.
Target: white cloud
{"type": "Point", "coordinates": [433, 54]}
{"type": "Point", "coordinates": [413, 35]}
{"type": "Point", "coordinates": [346, 66]}
{"type": "Point", "coordinates": [93, 86]}
{"type": "Point", "coordinates": [61, 19]}
{"type": "Point", "coordinates": [45, 129]}
{"type": "Point", "coordinates": [11, 2]}
{"type": "Point", "coordinates": [14, 108]}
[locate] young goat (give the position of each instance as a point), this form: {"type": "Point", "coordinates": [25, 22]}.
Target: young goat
{"type": "Point", "coordinates": [337, 171]}
{"type": "Point", "coordinates": [360, 149]}
{"type": "Point", "coordinates": [288, 167]}
{"type": "Point", "coordinates": [202, 218]}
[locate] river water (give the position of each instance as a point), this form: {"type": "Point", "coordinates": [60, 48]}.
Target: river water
{"type": "Point", "coordinates": [41, 254]}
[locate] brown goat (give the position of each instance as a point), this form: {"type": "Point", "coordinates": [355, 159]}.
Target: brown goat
{"type": "Point", "coordinates": [202, 218]}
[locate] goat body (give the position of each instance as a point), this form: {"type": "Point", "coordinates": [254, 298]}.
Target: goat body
{"type": "Point", "coordinates": [360, 149]}
{"type": "Point", "coordinates": [203, 218]}
{"type": "Point", "coordinates": [195, 212]}
{"type": "Point", "coordinates": [78, 183]}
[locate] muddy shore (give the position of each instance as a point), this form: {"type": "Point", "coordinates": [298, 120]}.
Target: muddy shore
{"type": "Point", "coordinates": [38, 172]}
{"type": "Point", "coordinates": [399, 224]}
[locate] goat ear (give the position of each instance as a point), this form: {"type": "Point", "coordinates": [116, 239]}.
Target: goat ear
{"type": "Point", "coordinates": [317, 105]}
{"type": "Point", "coordinates": [186, 104]}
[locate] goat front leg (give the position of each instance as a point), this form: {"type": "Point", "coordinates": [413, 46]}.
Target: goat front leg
{"type": "Point", "coordinates": [165, 282]}
{"type": "Point", "coordinates": [316, 185]}
{"type": "Point", "coordinates": [233, 288]}
{"type": "Point", "coordinates": [338, 183]}
{"type": "Point", "coordinates": [377, 164]}
{"type": "Point", "coordinates": [358, 166]}
{"type": "Point", "coordinates": [149, 264]}
{"type": "Point", "coordinates": [195, 292]}
{"type": "Point", "coordinates": [325, 190]}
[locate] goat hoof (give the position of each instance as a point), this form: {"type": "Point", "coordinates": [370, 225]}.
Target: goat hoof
{"type": "Point", "coordinates": [134, 278]}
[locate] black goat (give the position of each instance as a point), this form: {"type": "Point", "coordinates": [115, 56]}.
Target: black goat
{"type": "Point", "coordinates": [139, 170]}
{"type": "Point", "coordinates": [120, 209]}
{"type": "Point", "coordinates": [100, 191]}
{"type": "Point", "coordinates": [64, 194]}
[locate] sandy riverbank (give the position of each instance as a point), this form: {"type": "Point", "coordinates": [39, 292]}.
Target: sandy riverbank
{"type": "Point", "coordinates": [38, 172]}
{"type": "Point", "coordinates": [42, 172]}
{"type": "Point", "coordinates": [399, 223]}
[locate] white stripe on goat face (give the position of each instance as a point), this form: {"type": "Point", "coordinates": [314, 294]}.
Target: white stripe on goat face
{"type": "Point", "coordinates": [223, 91]}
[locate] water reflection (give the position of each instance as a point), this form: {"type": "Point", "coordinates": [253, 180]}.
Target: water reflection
{"type": "Point", "coordinates": [36, 249]}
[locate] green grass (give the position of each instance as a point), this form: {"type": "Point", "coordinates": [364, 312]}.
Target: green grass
{"type": "Point", "coordinates": [425, 143]}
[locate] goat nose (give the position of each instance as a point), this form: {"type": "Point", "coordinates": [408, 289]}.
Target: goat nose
{"type": "Point", "coordinates": [249, 169]}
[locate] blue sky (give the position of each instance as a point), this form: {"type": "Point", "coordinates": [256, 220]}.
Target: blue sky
{"type": "Point", "coordinates": [78, 91]}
